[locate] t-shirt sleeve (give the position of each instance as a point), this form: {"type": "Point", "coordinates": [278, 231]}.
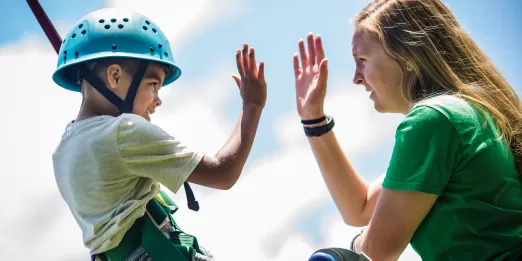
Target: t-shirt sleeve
{"type": "Point", "coordinates": [426, 152]}
{"type": "Point", "coordinates": [148, 151]}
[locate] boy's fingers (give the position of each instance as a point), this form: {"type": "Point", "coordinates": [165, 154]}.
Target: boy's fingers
{"type": "Point", "coordinates": [239, 63]}
{"type": "Point", "coordinates": [246, 65]}
{"type": "Point", "coordinates": [253, 65]}
{"type": "Point", "coordinates": [238, 80]}
{"type": "Point", "coordinates": [261, 73]}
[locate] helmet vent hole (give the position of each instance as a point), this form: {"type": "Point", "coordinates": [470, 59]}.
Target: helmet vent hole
{"type": "Point", "coordinates": [80, 26]}
{"type": "Point", "coordinates": [125, 19]}
{"type": "Point", "coordinates": [166, 54]}
{"type": "Point", "coordinates": [101, 21]}
{"type": "Point", "coordinates": [113, 20]}
{"type": "Point", "coordinates": [76, 53]}
{"type": "Point", "coordinates": [114, 47]}
{"type": "Point", "coordinates": [147, 22]}
{"type": "Point", "coordinates": [145, 28]}
{"type": "Point", "coordinates": [73, 35]}
{"type": "Point", "coordinates": [107, 26]}
{"type": "Point", "coordinates": [120, 26]}
{"type": "Point", "coordinates": [160, 45]}
{"type": "Point", "coordinates": [84, 32]}
{"type": "Point", "coordinates": [152, 49]}
{"type": "Point", "coordinates": [154, 30]}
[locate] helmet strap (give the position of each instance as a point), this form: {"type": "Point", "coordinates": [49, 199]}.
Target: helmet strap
{"type": "Point", "coordinates": [99, 85]}
{"type": "Point", "coordinates": [124, 106]}
{"type": "Point", "coordinates": [133, 89]}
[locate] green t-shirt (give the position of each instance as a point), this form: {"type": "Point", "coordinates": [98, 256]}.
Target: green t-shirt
{"type": "Point", "coordinates": [447, 147]}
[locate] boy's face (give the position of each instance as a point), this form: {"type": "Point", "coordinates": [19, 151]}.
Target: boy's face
{"type": "Point", "coordinates": [147, 98]}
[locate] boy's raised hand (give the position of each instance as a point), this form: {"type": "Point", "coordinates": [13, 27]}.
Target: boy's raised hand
{"type": "Point", "coordinates": [223, 169]}
{"type": "Point", "coordinates": [310, 78]}
{"type": "Point", "coordinates": [251, 80]}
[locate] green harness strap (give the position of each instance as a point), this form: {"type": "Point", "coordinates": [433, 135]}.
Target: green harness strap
{"type": "Point", "coordinates": [145, 231]}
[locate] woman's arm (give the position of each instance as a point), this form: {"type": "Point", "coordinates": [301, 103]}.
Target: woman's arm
{"type": "Point", "coordinates": [396, 218]}
{"type": "Point", "coordinates": [353, 196]}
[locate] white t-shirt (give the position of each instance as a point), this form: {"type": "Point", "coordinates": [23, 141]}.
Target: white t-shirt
{"type": "Point", "coordinates": [107, 169]}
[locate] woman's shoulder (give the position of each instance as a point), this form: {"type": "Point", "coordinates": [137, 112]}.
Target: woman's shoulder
{"type": "Point", "coordinates": [460, 112]}
{"type": "Point", "coordinates": [448, 105]}
{"type": "Point", "coordinates": [470, 122]}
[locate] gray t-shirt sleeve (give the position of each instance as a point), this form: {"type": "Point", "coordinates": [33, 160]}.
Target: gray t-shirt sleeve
{"type": "Point", "coordinates": [146, 150]}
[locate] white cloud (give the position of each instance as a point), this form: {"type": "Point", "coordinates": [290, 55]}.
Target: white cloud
{"type": "Point", "coordinates": [259, 217]}
{"type": "Point", "coordinates": [179, 18]}
{"type": "Point", "coordinates": [35, 113]}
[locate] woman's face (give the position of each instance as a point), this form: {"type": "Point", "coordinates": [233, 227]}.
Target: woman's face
{"type": "Point", "coordinates": [379, 73]}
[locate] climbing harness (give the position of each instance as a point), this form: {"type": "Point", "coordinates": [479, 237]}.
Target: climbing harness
{"type": "Point", "coordinates": [178, 246]}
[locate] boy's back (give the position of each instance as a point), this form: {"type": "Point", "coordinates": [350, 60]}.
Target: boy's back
{"type": "Point", "coordinates": [107, 169]}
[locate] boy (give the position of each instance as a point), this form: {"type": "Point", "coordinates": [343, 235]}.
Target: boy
{"type": "Point", "coordinates": [111, 159]}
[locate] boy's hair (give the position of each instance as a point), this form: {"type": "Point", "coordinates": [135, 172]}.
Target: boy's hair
{"type": "Point", "coordinates": [444, 59]}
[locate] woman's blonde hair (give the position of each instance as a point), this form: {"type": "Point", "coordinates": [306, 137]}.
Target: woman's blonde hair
{"type": "Point", "coordinates": [444, 58]}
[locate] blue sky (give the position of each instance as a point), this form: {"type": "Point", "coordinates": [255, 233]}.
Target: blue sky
{"type": "Point", "coordinates": [273, 27]}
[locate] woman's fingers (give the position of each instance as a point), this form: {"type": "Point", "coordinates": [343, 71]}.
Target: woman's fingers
{"type": "Point", "coordinates": [297, 68]}
{"type": "Point", "coordinates": [304, 55]}
{"type": "Point", "coordinates": [319, 50]}
{"type": "Point", "coordinates": [311, 49]}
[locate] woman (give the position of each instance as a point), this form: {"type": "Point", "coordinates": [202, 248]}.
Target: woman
{"type": "Point", "coordinates": [453, 188]}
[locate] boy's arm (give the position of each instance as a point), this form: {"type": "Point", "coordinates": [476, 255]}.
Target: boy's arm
{"type": "Point", "coordinates": [146, 150]}
{"type": "Point", "coordinates": [222, 170]}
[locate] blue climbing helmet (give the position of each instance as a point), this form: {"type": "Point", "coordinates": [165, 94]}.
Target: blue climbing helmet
{"type": "Point", "coordinates": [113, 33]}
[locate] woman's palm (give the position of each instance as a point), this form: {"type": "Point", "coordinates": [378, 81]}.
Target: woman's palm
{"type": "Point", "coordinates": [311, 78]}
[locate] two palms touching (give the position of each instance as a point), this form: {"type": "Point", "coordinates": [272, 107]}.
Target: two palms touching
{"type": "Point", "coordinates": [311, 78]}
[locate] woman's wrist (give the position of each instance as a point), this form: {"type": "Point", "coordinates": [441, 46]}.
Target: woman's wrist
{"type": "Point", "coordinates": [319, 126]}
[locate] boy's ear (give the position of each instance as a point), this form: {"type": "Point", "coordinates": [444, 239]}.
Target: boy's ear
{"type": "Point", "coordinates": [114, 74]}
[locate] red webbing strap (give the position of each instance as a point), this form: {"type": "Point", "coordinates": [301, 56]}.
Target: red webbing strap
{"type": "Point", "coordinates": [46, 24]}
